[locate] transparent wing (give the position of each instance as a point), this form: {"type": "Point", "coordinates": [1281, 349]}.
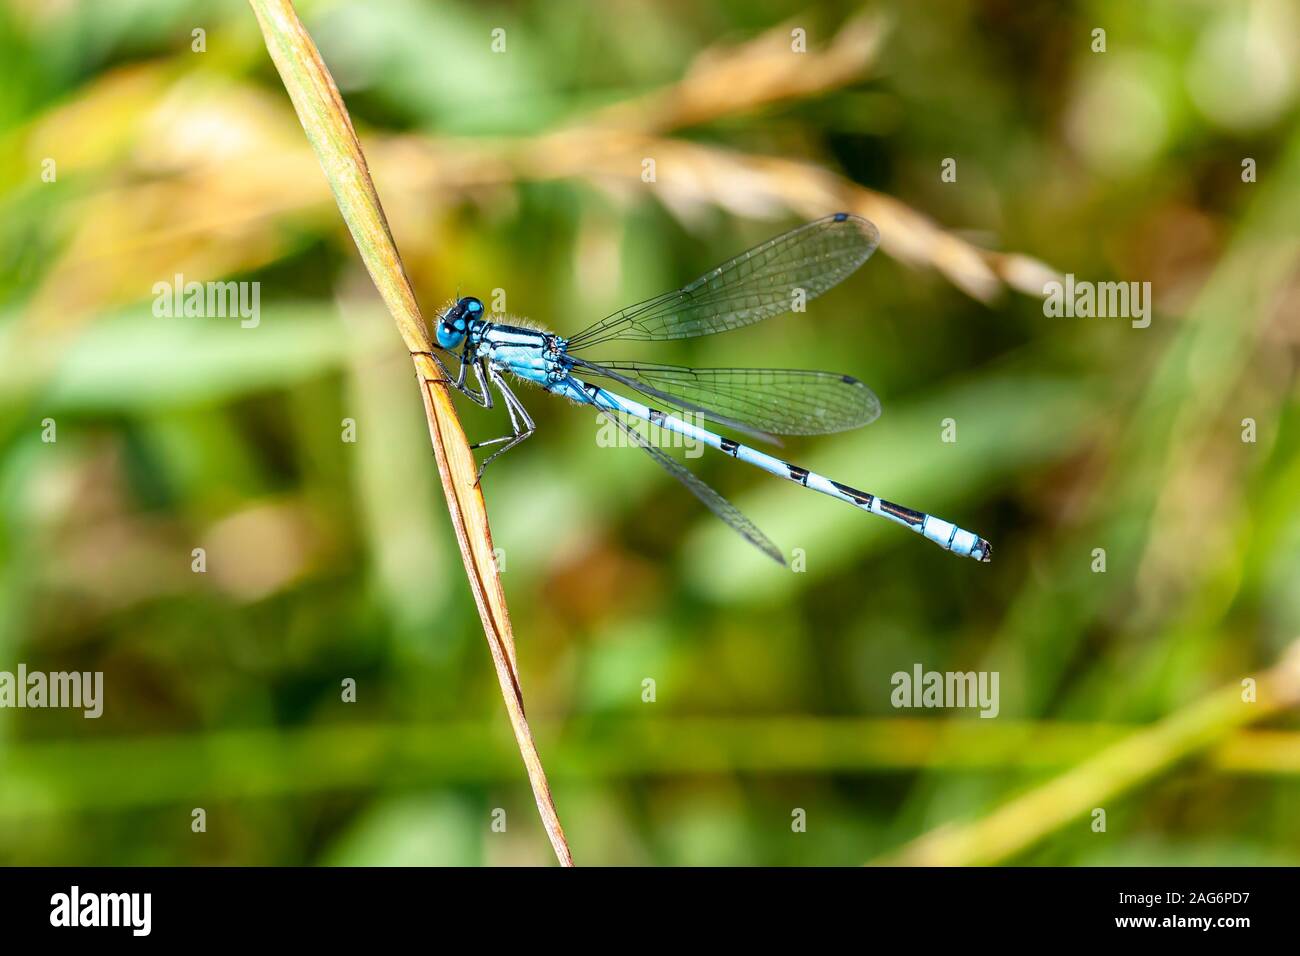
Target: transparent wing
{"type": "Point", "coordinates": [765, 281]}
{"type": "Point", "coordinates": [719, 505]}
{"type": "Point", "coordinates": [762, 401]}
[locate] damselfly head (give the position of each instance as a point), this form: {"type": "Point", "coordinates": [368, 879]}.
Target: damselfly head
{"type": "Point", "coordinates": [454, 323]}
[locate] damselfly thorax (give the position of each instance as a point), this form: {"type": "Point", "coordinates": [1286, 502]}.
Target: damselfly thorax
{"type": "Point", "coordinates": [529, 353]}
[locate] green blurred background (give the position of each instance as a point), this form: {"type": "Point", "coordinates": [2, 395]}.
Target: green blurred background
{"type": "Point", "coordinates": [522, 171]}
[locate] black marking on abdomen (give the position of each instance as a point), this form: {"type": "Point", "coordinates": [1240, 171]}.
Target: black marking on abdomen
{"type": "Point", "coordinates": [798, 474]}
{"type": "Point", "coordinates": [898, 511]}
{"type": "Point", "coordinates": [861, 497]}
{"type": "Point", "coordinates": [730, 446]}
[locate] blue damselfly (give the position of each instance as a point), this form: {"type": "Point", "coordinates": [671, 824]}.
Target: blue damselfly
{"type": "Point", "coordinates": [768, 280]}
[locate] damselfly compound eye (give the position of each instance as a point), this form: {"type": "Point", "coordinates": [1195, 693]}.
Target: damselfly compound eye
{"type": "Point", "coordinates": [451, 333]}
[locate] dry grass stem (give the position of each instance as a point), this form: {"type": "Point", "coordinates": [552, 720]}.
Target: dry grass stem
{"type": "Point", "coordinates": [329, 129]}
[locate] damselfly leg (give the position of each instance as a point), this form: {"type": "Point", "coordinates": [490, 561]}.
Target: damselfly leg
{"type": "Point", "coordinates": [521, 423]}
{"type": "Point", "coordinates": [482, 397]}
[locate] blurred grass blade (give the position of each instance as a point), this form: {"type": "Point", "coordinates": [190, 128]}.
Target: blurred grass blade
{"type": "Point", "coordinates": [329, 129]}
{"type": "Point", "coordinates": [1022, 822]}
